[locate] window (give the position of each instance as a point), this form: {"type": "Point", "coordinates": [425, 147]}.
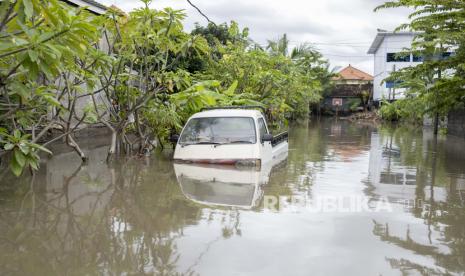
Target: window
{"type": "Point", "coordinates": [418, 58]}
{"type": "Point", "coordinates": [393, 84]}
{"type": "Point", "coordinates": [446, 55]}
{"type": "Point", "coordinates": [219, 130]}
{"type": "Point", "coordinates": [262, 127]}
{"type": "Point", "coordinates": [397, 57]}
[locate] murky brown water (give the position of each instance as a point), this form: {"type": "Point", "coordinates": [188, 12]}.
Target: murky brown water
{"type": "Point", "coordinates": [149, 216]}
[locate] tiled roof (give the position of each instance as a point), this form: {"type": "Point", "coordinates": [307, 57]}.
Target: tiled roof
{"type": "Point", "coordinates": [352, 73]}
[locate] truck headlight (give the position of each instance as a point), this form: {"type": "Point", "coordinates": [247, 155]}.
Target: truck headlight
{"type": "Point", "coordinates": [249, 163]}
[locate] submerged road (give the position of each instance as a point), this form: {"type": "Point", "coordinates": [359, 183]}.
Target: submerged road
{"type": "Point", "coordinates": [349, 199]}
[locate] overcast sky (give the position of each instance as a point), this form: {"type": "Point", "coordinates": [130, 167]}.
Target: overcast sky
{"type": "Point", "coordinates": [341, 29]}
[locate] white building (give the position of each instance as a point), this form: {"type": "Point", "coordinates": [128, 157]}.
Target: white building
{"type": "Point", "coordinates": [385, 49]}
{"type": "Point", "coordinates": [91, 5]}
{"type": "Point", "coordinates": [391, 177]}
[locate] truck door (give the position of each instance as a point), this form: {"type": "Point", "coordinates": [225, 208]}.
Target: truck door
{"type": "Point", "coordinates": [265, 147]}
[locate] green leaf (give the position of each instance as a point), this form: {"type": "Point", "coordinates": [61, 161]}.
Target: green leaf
{"type": "Point", "coordinates": [6, 45]}
{"type": "Point", "coordinates": [15, 167]}
{"type": "Point", "coordinates": [33, 55]}
{"type": "Point", "coordinates": [20, 89]}
{"type": "Point", "coordinates": [45, 36]}
{"type": "Point", "coordinates": [19, 157]}
{"type": "Point", "coordinates": [28, 8]}
{"type": "Point", "coordinates": [9, 146]}
{"type": "Point", "coordinates": [33, 162]}
{"type": "Point", "coordinates": [34, 165]}
{"type": "Point", "coordinates": [17, 134]}
{"type": "Point", "coordinates": [24, 148]}
{"type": "Point", "coordinates": [19, 41]}
{"type": "Point", "coordinates": [52, 100]}
{"type": "Point", "coordinates": [230, 91]}
{"type": "Point", "coordinates": [46, 69]}
{"type": "Point", "coordinates": [39, 147]}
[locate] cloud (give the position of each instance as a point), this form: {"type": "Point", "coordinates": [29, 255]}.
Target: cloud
{"type": "Point", "coordinates": [343, 30]}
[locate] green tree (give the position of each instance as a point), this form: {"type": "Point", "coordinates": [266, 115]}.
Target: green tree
{"type": "Point", "coordinates": [148, 46]}
{"type": "Point", "coordinates": [45, 49]}
{"type": "Point", "coordinates": [285, 84]}
{"type": "Point", "coordinates": [440, 41]}
{"type": "Point", "coordinates": [141, 75]}
{"type": "Point", "coordinates": [279, 46]}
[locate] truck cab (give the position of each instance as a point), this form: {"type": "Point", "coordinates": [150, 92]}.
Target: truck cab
{"type": "Point", "coordinates": [228, 136]}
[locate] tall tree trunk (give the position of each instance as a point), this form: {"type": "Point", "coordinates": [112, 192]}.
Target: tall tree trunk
{"type": "Point", "coordinates": [70, 141]}
{"type": "Point", "coordinates": [112, 149]}
{"type": "Point", "coordinates": [114, 136]}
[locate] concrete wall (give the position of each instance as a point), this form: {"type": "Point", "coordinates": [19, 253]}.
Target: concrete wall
{"type": "Point", "coordinates": [393, 43]}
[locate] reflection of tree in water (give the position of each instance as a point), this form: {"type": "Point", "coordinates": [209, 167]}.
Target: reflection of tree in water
{"type": "Point", "coordinates": [133, 231]}
{"type": "Point", "coordinates": [150, 208]}
{"type": "Point", "coordinates": [295, 175]}
{"type": "Point", "coordinates": [453, 237]}
{"type": "Point", "coordinates": [406, 267]}
{"type": "Point", "coordinates": [318, 142]}
{"type": "Point", "coordinates": [311, 145]}
{"type": "Point", "coordinates": [40, 237]}
{"type": "Point", "coordinates": [430, 157]}
{"type": "Point", "coordinates": [232, 223]}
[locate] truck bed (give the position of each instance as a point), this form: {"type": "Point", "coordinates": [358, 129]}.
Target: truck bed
{"type": "Point", "coordinates": [279, 138]}
{"type": "Point", "coordinates": [279, 144]}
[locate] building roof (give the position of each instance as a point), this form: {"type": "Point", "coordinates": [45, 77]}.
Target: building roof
{"type": "Point", "coordinates": [352, 73]}
{"type": "Point", "coordinates": [90, 5]}
{"type": "Point", "coordinates": [380, 37]}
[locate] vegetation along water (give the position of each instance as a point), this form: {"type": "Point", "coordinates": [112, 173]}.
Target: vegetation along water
{"type": "Point", "coordinates": [139, 74]}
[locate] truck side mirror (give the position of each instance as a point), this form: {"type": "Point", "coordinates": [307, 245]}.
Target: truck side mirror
{"type": "Point", "coordinates": [174, 138]}
{"type": "Point", "coordinates": [267, 137]}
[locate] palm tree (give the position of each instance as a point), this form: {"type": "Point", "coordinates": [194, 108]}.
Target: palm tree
{"type": "Point", "coordinates": [279, 46]}
{"type": "Point", "coordinates": [302, 51]}
{"type": "Point", "coordinates": [305, 50]}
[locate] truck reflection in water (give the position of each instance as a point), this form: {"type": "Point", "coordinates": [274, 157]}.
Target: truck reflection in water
{"type": "Point", "coordinates": [227, 186]}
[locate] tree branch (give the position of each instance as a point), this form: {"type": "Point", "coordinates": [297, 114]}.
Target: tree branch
{"type": "Point", "coordinates": [195, 7]}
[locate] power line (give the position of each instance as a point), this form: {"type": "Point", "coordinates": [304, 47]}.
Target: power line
{"type": "Point", "coordinates": [368, 43]}
{"type": "Point", "coordinates": [346, 56]}
{"type": "Point", "coordinates": [326, 54]}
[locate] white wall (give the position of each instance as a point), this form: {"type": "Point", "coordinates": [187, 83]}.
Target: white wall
{"type": "Point", "coordinates": [392, 43]}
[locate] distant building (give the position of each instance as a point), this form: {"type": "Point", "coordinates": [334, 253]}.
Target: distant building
{"type": "Point", "coordinates": [352, 91]}
{"type": "Point", "coordinates": [91, 5]}
{"type": "Point", "coordinates": [385, 49]}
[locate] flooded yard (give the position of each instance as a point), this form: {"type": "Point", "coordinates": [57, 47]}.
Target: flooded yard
{"type": "Point", "coordinates": [349, 199]}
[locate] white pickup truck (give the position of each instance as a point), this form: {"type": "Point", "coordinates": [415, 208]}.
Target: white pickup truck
{"type": "Point", "coordinates": [228, 136]}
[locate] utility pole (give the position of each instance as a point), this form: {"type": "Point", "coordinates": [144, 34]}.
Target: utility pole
{"type": "Point", "coordinates": [436, 115]}
{"type": "Point", "coordinates": [394, 85]}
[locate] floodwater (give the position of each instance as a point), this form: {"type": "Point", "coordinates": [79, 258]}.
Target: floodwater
{"type": "Point", "coordinates": [349, 199]}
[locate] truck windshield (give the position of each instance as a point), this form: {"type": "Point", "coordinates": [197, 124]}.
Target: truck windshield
{"type": "Point", "coordinates": [219, 130]}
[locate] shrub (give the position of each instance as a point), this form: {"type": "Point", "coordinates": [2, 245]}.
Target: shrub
{"type": "Point", "coordinates": [409, 110]}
